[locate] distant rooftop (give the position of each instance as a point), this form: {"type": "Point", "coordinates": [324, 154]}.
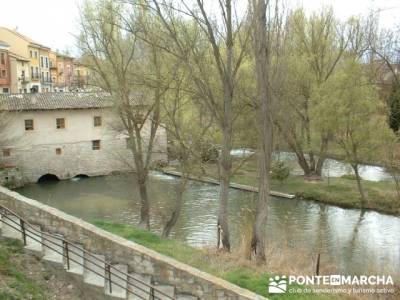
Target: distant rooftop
{"type": "Point", "coordinates": [54, 101]}
{"type": "Point", "coordinates": [29, 40]}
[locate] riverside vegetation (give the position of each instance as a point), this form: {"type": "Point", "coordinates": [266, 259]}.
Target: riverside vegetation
{"type": "Point", "coordinates": [341, 191]}
{"type": "Point", "coordinates": [264, 77]}
{"type": "Point", "coordinates": [232, 267]}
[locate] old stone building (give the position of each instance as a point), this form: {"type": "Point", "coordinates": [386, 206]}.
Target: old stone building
{"type": "Point", "coordinates": [66, 135]}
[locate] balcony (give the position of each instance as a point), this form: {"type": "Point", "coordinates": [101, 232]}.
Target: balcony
{"type": "Point", "coordinates": [24, 79]}
{"type": "Point", "coordinates": [80, 80]}
{"type": "Point", "coordinates": [35, 77]}
{"type": "Point", "coordinates": [53, 65]}
{"type": "Point", "coordinates": [46, 80]}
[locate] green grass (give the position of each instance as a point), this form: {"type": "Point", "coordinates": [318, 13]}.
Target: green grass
{"type": "Point", "coordinates": [15, 284]}
{"type": "Point", "coordinates": [222, 265]}
{"type": "Point", "coordinates": [381, 196]}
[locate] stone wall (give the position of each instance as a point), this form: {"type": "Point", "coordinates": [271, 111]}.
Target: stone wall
{"type": "Point", "coordinates": [164, 270]}
{"type": "Point", "coordinates": [11, 178]}
{"type": "Point", "coordinates": [34, 151]}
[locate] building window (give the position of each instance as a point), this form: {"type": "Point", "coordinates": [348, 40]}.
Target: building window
{"type": "Point", "coordinates": [41, 61]}
{"type": "Point", "coordinates": [31, 53]}
{"type": "Point", "coordinates": [60, 123]}
{"type": "Point", "coordinates": [36, 54]}
{"type": "Point", "coordinates": [47, 62]}
{"type": "Point", "coordinates": [29, 124]}
{"type": "Point", "coordinates": [96, 145]}
{"type": "Point", "coordinates": [2, 59]}
{"type": "Point", "coordinates": [58, 151]}
{"type": "Point", "coordinates": [3, 73]}
{"type": "Point", "coordinates": [6, 90]}
{"type": "Point", "coordinates": [97, 121]}
{"type": "Point", "coordinates": [32, 72]}
{"type": "Point", "coordinates": [6, 152]}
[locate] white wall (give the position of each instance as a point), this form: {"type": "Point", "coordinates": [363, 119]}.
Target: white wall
{"type": "Point", "coordinates": [35, 151]}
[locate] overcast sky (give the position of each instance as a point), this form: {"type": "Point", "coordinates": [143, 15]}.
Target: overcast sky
{"type": "Point", "coordinates": [54, 22]}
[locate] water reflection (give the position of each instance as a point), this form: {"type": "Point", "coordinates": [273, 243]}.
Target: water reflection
{"type": "Point", "coordinates": [353, 243]}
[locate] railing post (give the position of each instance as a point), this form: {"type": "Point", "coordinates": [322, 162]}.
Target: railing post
{"type": "Point", "coordinates": [66, 251]}
{"type": "Point", "coordinates": [152, 293]}
{"type": "Point", "coordinates": [22, 223]}
{"type": "Point", "coordinates": [108, 268]}
{"type": "Point", "coordinates": [318, 264]}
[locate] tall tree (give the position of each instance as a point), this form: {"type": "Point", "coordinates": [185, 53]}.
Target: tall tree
{"type": "Point", "coordinates": [125, 68]}
{"type": "Point", "coordinates": [314, 48]}
{"type": "Point", "coordinates": [265, 34]}
{"type": "Point", "coordinates": [213, 49]}
{"type": "Point", "coordinates": [185, 136]}
{"type": "Point", "coordinates": [360, 131]}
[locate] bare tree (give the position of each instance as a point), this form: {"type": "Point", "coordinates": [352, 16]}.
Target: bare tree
{"type": "Point", "coordinates": [213, 54]}
{"type": "Point", "coordinates": [268, 36]}
{"type": "Point", "coordinates": [125, 68]}
{"type": "Point", "coordinates": [185, 136]}
{"type": "Point", "coordinates": [264, 99]}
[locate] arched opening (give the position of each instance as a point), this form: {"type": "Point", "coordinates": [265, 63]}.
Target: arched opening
{"type": "Point", "coordinates": [79, 177]}
{"type": "Point", "coordinates": [48, 178]}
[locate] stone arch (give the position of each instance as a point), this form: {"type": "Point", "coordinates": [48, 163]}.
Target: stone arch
{"type": "Point", "coordinates": [81, 176]}
{"type": "Point", "coordinates": [48, 178]}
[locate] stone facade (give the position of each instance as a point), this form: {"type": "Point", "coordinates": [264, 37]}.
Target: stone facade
{"type": "Point", "coordinates": [140, 260]}
{"type": "Point", "coordinates": [69, 151]}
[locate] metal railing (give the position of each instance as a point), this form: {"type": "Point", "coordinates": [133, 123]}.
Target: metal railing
{"type": "Point", "coordinates": [68, 248]}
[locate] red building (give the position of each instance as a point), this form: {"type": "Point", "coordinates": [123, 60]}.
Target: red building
{"type": "Point", "coordinates": [4, 68]}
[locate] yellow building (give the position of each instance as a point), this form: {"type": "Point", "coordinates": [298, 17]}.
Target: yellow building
{"type": "Point", "coordinates": [44, 67]}
{"type": "Point", "coordinates": [24, 47]}
{"type": "Point", "coordinates": [81, 76]}
{"type": "Point", "coordinates": [20, 74]}
{"type": "Point", "coordinates": [53, 68]}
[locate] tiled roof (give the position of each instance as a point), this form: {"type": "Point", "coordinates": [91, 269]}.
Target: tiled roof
{"type": "Point", "coordinates": [54, 101]}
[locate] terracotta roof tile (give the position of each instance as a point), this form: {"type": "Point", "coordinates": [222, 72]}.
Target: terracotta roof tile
{"type": "Point", "coordinates": [54, 101]}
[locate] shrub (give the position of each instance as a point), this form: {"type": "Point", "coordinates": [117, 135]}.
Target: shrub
{"type": "Point", "coordinates": [209, 152]}
{"type": "Point", "coordinates": [279, 171]}
{"type": "Point", "coordinates": [158, 165]}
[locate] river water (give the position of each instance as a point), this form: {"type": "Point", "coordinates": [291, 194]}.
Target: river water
{"type": "Point", "coordinates": [351, 243]}
{"type": "Point", "coordinates": [332, 167]}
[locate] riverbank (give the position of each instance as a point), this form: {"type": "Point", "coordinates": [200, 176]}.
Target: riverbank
{"type": "Point", "coordinates": [381, 196]}
{"type": "Point", "coordinates": [229, 266]}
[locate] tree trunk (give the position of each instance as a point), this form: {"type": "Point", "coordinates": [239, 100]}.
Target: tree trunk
{"type": "Point", "coordinates": [319, 166]}
{"type": "Point", "coordinates": [144, 205]}
{"type": "Point", "coordinates": [301, 160]}
{"type": "Point", "coordinates": [177, 209]}
{"type": "Point", "coordinates": [359, 185]}
{"type": "Point", "coordinates": [225, 177]}
{"type": "Point", "coordinates": [261, 57]}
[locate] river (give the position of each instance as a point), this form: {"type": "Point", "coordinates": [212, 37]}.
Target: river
{"type": "Point", "coordinates": [350, 243]}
